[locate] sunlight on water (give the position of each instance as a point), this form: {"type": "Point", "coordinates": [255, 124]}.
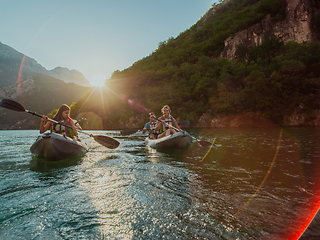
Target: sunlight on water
{"type": "Point", "coordinates": [247, 187]}
{"type": "Point", "coordinates": [153, 156]}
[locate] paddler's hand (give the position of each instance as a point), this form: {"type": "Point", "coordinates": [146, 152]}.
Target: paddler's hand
{"type": "Point", "coordinates": [44, 118]}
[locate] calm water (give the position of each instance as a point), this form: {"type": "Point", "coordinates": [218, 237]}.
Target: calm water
{"type": "Point", "coordinates": [253, 184]}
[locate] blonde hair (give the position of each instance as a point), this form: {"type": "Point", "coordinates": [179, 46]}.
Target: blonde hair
{"type": "Point", "coordinates": [166, 106]}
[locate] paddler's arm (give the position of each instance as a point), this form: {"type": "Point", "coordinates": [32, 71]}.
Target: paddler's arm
{"type": "Point", "coordinates": [146, 127]}
{"type": "Point", "coordinates": [157, 128]}
{"type": "Point", "coordinates": [74, 128]}
{"type": "Point", "coordinates": [78, 126]}
{"type": "Point", "coordinates": [44, 128]}
{"type": "Point", "coordinates": [176, 124]}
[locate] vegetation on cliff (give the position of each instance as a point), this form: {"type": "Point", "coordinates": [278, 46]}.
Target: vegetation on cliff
{"type": "Point", "coordinates": [273, 78]}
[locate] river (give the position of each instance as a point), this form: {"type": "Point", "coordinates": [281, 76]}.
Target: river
{"type": "Point", "coordinates": [252, 184]}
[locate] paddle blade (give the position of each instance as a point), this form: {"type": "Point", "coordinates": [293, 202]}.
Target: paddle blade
{"type": "Point", "coordinates": [12, 105]}
{"type": "Point", "coordinates": [126, 132]}
{"type": "Point", "coordinates": [106, 141]}
{"type": "Point", "coordinates": [204, 143]}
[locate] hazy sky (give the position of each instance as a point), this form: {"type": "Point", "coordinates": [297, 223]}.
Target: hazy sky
{"type": "Point", "coordinates": [95, 37]}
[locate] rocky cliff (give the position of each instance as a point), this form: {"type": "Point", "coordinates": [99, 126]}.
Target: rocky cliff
{"type": "Point", "coordinates": [299, 25]}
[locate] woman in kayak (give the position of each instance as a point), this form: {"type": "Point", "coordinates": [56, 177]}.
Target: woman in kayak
{"type": "Point", "coordinates": [167, 122]}
{"type": "Point", "coordinates": [150, 126]}
{"type": "Point", "coordinates": [62, 116]}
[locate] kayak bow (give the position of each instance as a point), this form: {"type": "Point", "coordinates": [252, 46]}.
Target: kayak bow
{"type": "Point", "coordinates": [178, 140]}
{"type": "Point", "coordinates": [55, 147]}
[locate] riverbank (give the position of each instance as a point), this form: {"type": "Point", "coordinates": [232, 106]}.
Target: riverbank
{"type": "Point", "coordinates": [257, 120]}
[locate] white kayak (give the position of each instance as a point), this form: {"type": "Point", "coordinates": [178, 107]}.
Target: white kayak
{"type": "Point", "coordinates": [178, 140]}
{"type": "Point", "coordinates": [56, 147]}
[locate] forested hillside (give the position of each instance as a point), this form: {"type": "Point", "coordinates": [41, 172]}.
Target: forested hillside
{"type": "Point", "coordinates": [273, 78]}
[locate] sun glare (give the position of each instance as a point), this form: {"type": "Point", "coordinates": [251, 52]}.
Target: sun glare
{"type": "Point", "coordinates": [98, 80]}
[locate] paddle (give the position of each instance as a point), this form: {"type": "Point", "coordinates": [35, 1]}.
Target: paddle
{"type": "Point", "coordinates": [126, 132]}
{"type": "Point", "coordinates": [202, 143]}
{"type": "Point", "coordinates": [103, 140]}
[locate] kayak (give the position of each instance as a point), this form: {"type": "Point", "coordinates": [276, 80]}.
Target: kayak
{"type": "Point", "coordinates": [56, 147]}
{"type": "Point", "coordinates": [178, 140]}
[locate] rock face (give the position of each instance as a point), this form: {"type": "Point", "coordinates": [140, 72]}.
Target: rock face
{"type": "Point", "coordinates": [297, 26]}
{"type": "Point", "coordinates": [300, 119]}
{"type": "Point", "coordinates": [248, 120]}
{"type": "Point", "coordinates": [256, 120]}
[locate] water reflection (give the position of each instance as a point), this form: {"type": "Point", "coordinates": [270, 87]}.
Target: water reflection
{"type": "Point", "coordinates": [152, 155]}
{"type": "Point", "coordinates": [43, 165]}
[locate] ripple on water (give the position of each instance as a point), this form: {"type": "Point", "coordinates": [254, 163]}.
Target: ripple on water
{"type": "Point", "coordinates": [135, 192]}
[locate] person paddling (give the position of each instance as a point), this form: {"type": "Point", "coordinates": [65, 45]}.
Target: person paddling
{"type": "Point", "coordinates": [166, 122]}
{"type": "Point", "coordinates": [150, 126]}
{"type": "Point", "coordinates": [63, 117]}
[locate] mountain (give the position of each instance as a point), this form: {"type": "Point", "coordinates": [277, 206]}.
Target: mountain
{"type": "Point", "coordinates": [13, 63]}
{"type": "Point", "coordinates": [254, 58]}
{"type": "Point", "coordinates": [69, 76]}
{"type": "Point", "coordinates": [41, 93]}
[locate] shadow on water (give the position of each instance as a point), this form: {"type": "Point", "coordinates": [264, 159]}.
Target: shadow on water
{"type": "Point", "coordinates": [166, 155]}
{"type": "Point", "coordinates": [38, 164]}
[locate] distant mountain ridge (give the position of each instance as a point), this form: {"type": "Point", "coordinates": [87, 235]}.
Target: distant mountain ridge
{"type": "Point", "coordinates": [41, 93]}
{"type": "Point", "coordinates": [10, 63]}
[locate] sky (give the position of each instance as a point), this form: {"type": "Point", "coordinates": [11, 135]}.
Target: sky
{"type": "Point", "coordinates": [95, 37]}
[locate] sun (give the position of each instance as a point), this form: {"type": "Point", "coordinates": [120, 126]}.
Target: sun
{"type": "Point", "coordinates": [98, 80]}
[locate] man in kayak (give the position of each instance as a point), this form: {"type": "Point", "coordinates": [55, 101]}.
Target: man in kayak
{"type": "Point", "coordinates": [150, 126]}
{"type": "Point", "coordinates": [166, 122]}
{"type": "Point", "coordinates": [62, 116]}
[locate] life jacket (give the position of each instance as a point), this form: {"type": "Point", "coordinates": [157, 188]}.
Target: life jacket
{"type": "Point", "coordinates": [168, 121]}
{"type": "Point", "coordinates": [58, 128]}
{"type": "Point", "coordinates": [152, 126]}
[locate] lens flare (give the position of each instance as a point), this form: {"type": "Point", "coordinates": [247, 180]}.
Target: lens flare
{"type": "Point", "coordinates": [263, 181]}
{"type": "Point", "coordinates": [19, 75]}
{"type": "Point", "coordinates": [208, 151]}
